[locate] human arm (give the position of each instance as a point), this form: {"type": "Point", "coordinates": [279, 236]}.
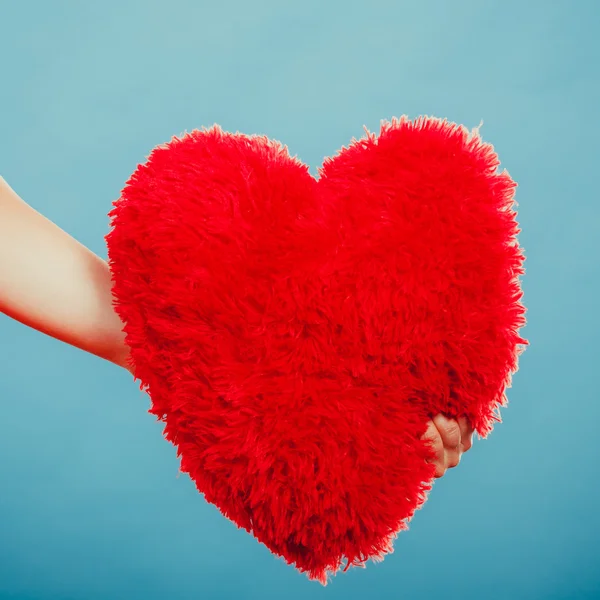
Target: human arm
{"type": "Point", "coordinates": [51, 282]}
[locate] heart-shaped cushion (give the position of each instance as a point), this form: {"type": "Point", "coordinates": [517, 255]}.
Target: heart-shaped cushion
{"type": "Point", "coordinates": [296, 334]}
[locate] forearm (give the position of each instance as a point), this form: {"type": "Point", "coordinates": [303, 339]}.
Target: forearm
{"type": "Point", "coordinates": [51, 282]}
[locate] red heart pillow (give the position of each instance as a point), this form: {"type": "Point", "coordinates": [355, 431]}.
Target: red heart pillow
{"type": "Point", "coordinates": [296, 334]}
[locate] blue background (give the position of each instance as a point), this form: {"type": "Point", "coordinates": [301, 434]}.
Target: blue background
{"type": "Point", "coordinates": [91, 506]}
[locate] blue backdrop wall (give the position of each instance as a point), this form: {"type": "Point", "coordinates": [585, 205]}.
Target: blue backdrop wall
{"type": "Point", "coordinates": [91, 506]}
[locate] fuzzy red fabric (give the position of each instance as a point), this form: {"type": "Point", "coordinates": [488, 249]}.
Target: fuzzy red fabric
{"type": "Point", "coordinates": [295, 334]}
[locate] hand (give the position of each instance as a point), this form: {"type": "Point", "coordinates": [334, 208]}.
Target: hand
{"type": "Point", "coordinates": [449, 439]}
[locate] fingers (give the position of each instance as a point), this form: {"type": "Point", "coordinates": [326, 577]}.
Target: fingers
{"type": "Point", "coordinates": [432, 435]}
{"type": "Point", "coordinates": [449, 431]}
{"type": "Point", "coordinates": [466, 433]}
{"type": "Point", "coordinates": [450, 434]}
{"type": "Point", "coordinates": [448, 439]}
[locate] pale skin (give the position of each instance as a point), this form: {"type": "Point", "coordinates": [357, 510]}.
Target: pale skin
{"type": "Point", "coordinates": [51, 282]}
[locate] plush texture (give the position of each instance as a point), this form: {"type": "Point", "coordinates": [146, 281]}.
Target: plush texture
{"type": "Point", "coordinates": [295, 334]}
